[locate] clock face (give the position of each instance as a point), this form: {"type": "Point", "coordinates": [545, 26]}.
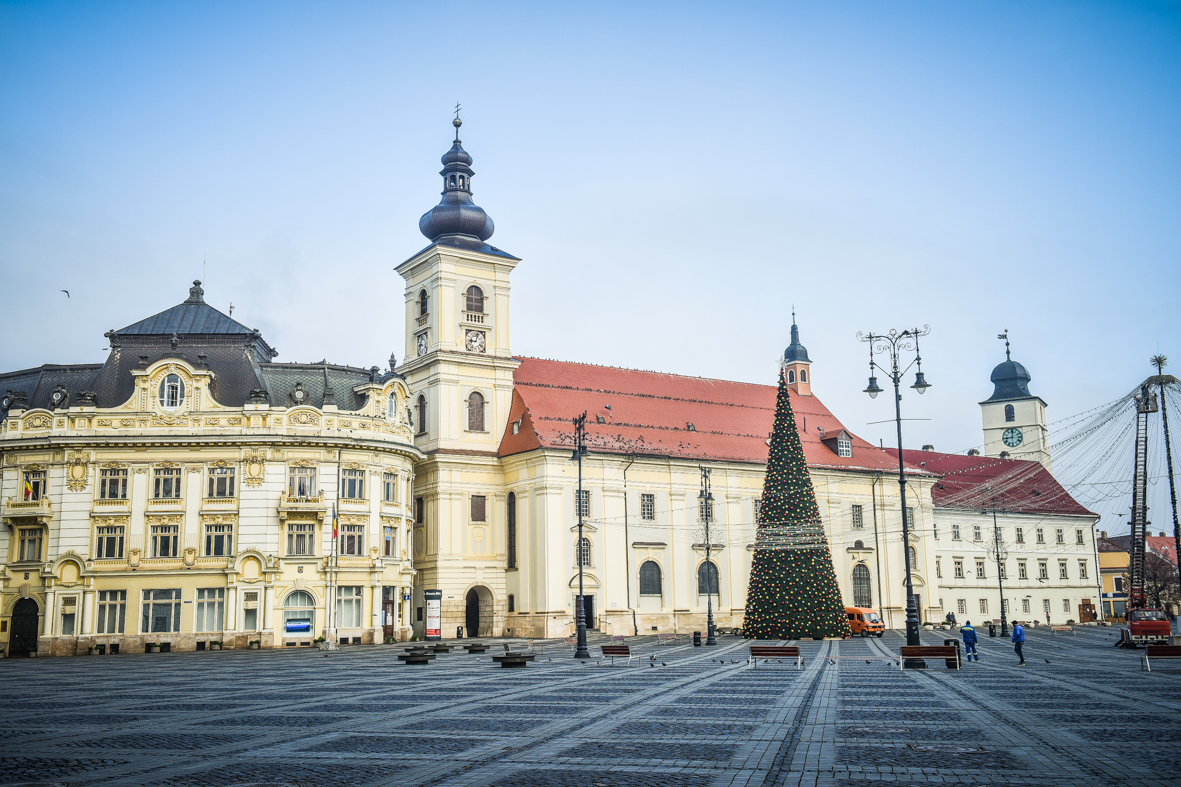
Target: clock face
{"type": "Point", "coordinates": [422, 344]}
{"type": "Point", "coordinates": [475, 341]}
{"type": "Point", "coordinates": [1012, 437]}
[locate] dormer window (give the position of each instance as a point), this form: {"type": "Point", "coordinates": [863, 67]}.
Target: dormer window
{"type": "Point", "coordinates": [1010, 414]}
{"type": "Point", "coordinates": [791, 375]}
{"type": "Point", "coordinates": [475, 300]}
{"type": "Point", "coordinates": [172, 392]}
{"type": "Point", "coordinates": [844, 446]}
{"type": "Point", "coordinates": [391, 407]}
{"type": "Point", "coordinates": [422, 303]}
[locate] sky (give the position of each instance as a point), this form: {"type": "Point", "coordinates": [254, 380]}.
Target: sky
{"type": "Point", "coordinates": [675, 178]}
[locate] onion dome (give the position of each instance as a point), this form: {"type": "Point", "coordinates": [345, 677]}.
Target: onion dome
{"type": "Point", "coordinates": [1010, 379]}
{"type": "Point", "coordinates": [456, 215]}
{"type": "Point", "coordinates": [795, 351]}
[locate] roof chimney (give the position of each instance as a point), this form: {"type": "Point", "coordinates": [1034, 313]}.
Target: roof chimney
{"type": "Point", "coordinates": [928, 447]}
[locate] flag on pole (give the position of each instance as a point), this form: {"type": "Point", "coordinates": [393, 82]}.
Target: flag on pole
{"type": "Point", "coordinates": [28, 489]}
{"type": "Point", "coordinates": [334, 536]}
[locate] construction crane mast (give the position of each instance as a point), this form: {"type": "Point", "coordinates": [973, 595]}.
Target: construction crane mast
{"type": "Point", "coordinates": [1146, 403]}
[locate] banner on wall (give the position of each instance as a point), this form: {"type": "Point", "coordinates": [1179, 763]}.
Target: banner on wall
{"type": "Point", "coordinates": [434, 613]}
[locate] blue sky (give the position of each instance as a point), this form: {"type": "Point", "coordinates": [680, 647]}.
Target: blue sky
{"type": "Point", "coordinates": [674, 177]}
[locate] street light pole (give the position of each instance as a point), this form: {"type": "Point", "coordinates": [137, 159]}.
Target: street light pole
{"type": "Point", "coordinates": [894, 343]}
{"type": "Point", "coordinates": [1000, 555]}
{"type": "Point", "coordinates": [706, 508]}
{"type": "Point", "coordinates": [580, 651]}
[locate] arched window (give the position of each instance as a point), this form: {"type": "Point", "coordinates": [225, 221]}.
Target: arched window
{"type": "Point", "coordinates": [914, 558]}
{"type": "Point", "coordinates": [475, 300]}
{"type": "Point", "coordinates": [791, 375]}
{"type": "Point", "coordinates": [461, 181]}
{"type": "Point", "coordinates": [650, 580]}
{"type": "Point", "coordinates": [299, 613]}
{"type": "Point", "coordinates": [391, 407]}
{"type": "Point", "coordinates": [803, 375]}
{"type": "Point", "coordinates": [859, 544]}
{"type": "Point", "coordinates": [1010, 414]}
{"type": "Point", "coordinates": [512, 530]}
{"type": "Point", "coordinates": [452, 181]}
{"type": "Point", "coordinates": [862, 594]}
{"type": "Point", "coordinates": [172, 392]}
{"type": "Point", "coordinates": [421, 414]}
{"type": "Point", "coordinates": [423, 299]}
{"type": "Point", "coordinates": [584, 552]}
{"type": "Point", "coordinates": [707, 579]}
{"type": "Point", "coordinates": [475, 412]}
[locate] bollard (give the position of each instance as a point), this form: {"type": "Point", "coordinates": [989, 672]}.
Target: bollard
{"type": "Point", "coordinates": [459, 632]}
{"type": "Point", "coordinates": [697, 639]}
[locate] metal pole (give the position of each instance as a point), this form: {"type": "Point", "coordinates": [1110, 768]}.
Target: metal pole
{"type": "Point", "coordinates": [1000, 571]}
{"type": "Point", "coordinates": [580, 651]}
{"type": "Point", "coordinates": [1160, 362]}
{"type": "Point", "coordinates": [711, 572]}
{"type": "Point", "coordinates": [912, 614]}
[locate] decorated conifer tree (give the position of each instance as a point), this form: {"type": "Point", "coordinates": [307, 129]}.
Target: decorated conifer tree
{"type": "Point", "coordinates": [793, 590]}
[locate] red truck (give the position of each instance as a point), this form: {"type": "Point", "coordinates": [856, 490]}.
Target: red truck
{"type": "Point", "coordinates": [1148, 626]}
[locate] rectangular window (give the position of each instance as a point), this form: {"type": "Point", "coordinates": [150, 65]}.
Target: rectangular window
{"type": "Point", "coordinates": [935, 529]}
{"type": "Point", "coordinates": [938, 569]}
{"type": "Point", "coordinates": [389, 488]}
{"type": "Point", "coordinates": [219, 540]}
{"type": "Point", "coordinates": [250, 610]}
{"type": "Point", "coordinates": [1041, 535]}
{"type": "Point", "coordinates": [512, 603]}
{"type": "Point", "coordinates": [1078, 537]}
{"type": "Point", "coordinates": [301, 538]}
{"type": "Point", "coordinates": [166, 483]}
{"type": "Point", "coordinates": [648, 507]}
{"type": "Point", "coordinates": [844, 446]}
{"type": "Point", "coordinates": [1082, 569]}
{"type": "Point", "coordinates": [112, 484]}
{"type": "Point", "coordinates": [855, 516]}
{"type": "Point", "coordinates": [1025, 606]}
{"type": "Point", "coordinates": [352, 485]}
{"type": "Point", "coordinates": [161, 611]}
{"type": "Point", "coordinates": [1022, 571]}
{"type": "Point", "coordinates": [1062, 570]}
{"type": "Point", "coordinates": [910, 520]}
{"type": "Point", "coordinates": [1046, 608]}
{"type": "Point", "coordinates": [758, 507]}
{"type": "Point", "coordinates": [108, 542]}
{"type": "Point", "coordinates": [164, 540]}
{"type": "Point", "coordinates": [1043, 571]}
{"type": "Point", "coordinates": [976, 533]}
{"type": "Point", "coordinates": [1119, 584]}
{"type": "Point", "coordinates": [352, 540]}
{"type": "Point", "coordinates": [1065, 605]}
{"type": "Point", "coordinates": [221, 482]}
{"type": "Point", "coordinates": [582, 502]}
{"type": "Point", "coordinates": [1060, 536]}
{"type": "Point", "coordinates": [388, 542]}
{"type": "Point", "coordinates": [69, 615]}
{"type": "Point", "coordinates": [1020, 535]}
{"type": "Point", "coordinates": [112, 612]}
{"type": "Point", "coordinates": [211, 609]}
{"type": "Point", "coordinates": [959, 569]}
{"type": "Point", "coordinates": [301, 483]}
{"type": "Point", "coordinates": [29, 548]}
{"type": "Point", "coordinates": [961, 606]}
{"type": "Point", "coordinates": [34, 486]}
{"type": "Point", "coordinates": [979, 569]}
{"type": "Point", "coordinates": [984, 606]}
{"type": "Point", "coordinates": [348, 607]}
{"type": "Point", "coordinates": [955, 532]}
{"type": "Point", "coordinates": [1001, 569]}
{"type": "Point", "coordinates": [419, 511]}
{"type": "Point", "coordinates": [479, 508]}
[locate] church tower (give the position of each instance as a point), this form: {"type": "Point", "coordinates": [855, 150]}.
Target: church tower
{"type": "Point", "coordinates": [796, 363]}
{"type": "Point", "coordinates": [460, 372]}
{"type": "Point", "coordinates": [1014, 419]}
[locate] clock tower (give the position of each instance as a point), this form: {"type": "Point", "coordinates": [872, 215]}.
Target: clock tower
{"type": "Point", "coordinates": [1014, 419]}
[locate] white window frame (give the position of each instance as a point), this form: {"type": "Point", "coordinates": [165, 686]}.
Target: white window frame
{"type": "Point", "coordinates": [389, 487]}
{"type": "Point", "coordinates": [648, 507]}
{"type": "Point", "coordinates": [983, 606]}
{"type": "Point", "coordinates": [352, 484]}
{"type": "Point", "coordinates": [349, 606]}
{"type": "Point", "coordinates": [352, 540]}
{"type": "Point", "coordinates": [856, 517]}
{"type": "Point", "coordinates": [112, 479]}
{"type": "Point", "coordinates": [108, 542]}
{"type": "Point", "coordinates": [1082, 569]}
{"type": "Point", "coordinates": [980, 570]}
{"type": "Point", "coordinates": [961, 606]}
{"type": "Point", "coordinates": [221, 484]}
{"type": "Point", "coordinates": [160, 597]}
{"type": "Point", "coordinates": [34, 487]}
{"type": "Point", "coordinates": [172, 392]}
{"type": "Point", "coordinates": [111, 612]}
{"type": "Point", "coordinates": [30, 540]}
{"type": "Point", "coordinates": [301, 539]}
{"type": "Point", "coordinates": [211, 610]}
{"type": "Point", "coordinates": [955, 533]}
{"type": "Point", "coordinates": [219, 539]}
{"type": "Point", "coordinates": [167, 479]}
{"type": "Point", "coordinates": [301, 482]}
{"type": "Point", "coordinates": [582, 503]}
{"type": "Point", "coordinates": [958, 569]}
{"type": "Point", "coordinates": [168, 535]}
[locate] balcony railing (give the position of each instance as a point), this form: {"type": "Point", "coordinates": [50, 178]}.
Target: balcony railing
{"type": "Point", "coordinates": [302, 501]}
{"type": "Point", "coordinates": [474, 318]}
{"type": "Point", "coordinates": [421, 320]}
{"type": "Point", "coordinates": [16, 507]}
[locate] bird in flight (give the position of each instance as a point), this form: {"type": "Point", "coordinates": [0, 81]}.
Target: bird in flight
{"type": "Point", "coordinates": [67, 292]}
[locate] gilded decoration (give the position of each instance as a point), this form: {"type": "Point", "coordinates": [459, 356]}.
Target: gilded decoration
{"type": "Point", "coordinates": [212, 421]}
{"type": "Point", "coordinates": [134, 555]}
{"type": "Point", "coordinates": [37, 421]}
{"type": "Point", "coordinates": [354, 520]}
{"type": "Point", "coordinates": [234, 421]}
{"type": "Point", "coordinates": [303, 418]}
{"type": "Point", "coordinates": [167, 464]}
{"type": "Point", "coordinates": [106, 422]}
{"type": "Point", "coordinates": [61, 422]}
{"type": "Point", "coordinates": [255, 468]}
{"type": "Point", "coordinates": [171, 420]}
{"type": "Point", "coordinates": [353, 466]}
{"type": "Point", "coordinates": [219, 519]}
{"type": "Point", "coordinates": [303, 463]}
{"type": "Point", "coordinates": [77, 472]}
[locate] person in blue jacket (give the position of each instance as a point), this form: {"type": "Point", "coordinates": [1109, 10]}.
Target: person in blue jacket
{"type": "Point", "coordinates": [969, 640]}
{"type": "Point", "coordinates": [1018, 641]}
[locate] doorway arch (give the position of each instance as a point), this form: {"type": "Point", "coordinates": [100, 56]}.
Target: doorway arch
{"type": "Point", "coordinates": [478, 619]}
{"type": "Point", "coordinates": [25, 628]}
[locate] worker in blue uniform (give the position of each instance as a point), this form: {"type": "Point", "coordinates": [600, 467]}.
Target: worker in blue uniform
{"type": "Point", "coordinates": [969, 640]}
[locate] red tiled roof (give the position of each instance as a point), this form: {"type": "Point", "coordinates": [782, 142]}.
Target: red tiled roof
{"type": "Point", "coordinates": [649, 413]}
{"type": "Point", "coordinates": [972, 482]}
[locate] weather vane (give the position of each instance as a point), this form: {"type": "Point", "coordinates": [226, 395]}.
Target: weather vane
{"type": "Point", "coordinates": [1005, 336]}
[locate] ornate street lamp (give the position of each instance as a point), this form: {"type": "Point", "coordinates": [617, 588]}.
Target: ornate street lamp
{"type": "Point", "coordinates": [580, 651]}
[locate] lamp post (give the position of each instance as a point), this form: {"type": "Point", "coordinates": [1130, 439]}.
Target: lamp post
{"type": "Point", "coordinates": [895, 343]}
{"type": "Point", "coordinates": [580, 651]}
{"type": "Point", "coordinates": [999, 555]}
{"type": "Point", "coordinates": [706, 508]}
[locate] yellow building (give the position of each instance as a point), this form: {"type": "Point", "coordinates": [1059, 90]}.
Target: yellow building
{"type": "Point", "coordinates": [182, 493]}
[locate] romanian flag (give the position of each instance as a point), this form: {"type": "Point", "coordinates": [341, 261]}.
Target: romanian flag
{"type": "Point", "coordinates": [334, 535]}
{"type": "Point", "coordinates": [28, 489]}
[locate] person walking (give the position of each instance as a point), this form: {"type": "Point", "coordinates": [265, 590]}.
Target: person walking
{"type": "Point", "coordinates": [969, 640]}
{"type": "Point", "coordinates": [1018, 641]}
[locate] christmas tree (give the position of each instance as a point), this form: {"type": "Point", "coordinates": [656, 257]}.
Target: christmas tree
{"type": "Point", "coordinates": [793, 589]}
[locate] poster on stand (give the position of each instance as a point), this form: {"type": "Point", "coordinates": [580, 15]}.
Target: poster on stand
{"type": "Point", "coordinates": [434, 614]}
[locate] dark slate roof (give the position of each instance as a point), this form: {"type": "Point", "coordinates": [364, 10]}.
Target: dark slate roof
{"type": "Point", "coordinates": [1010, 380]}
{"type": "Point", "coordinates": [194, 315]}
{"type": "Point", "coordinates": [463, 243]}
{"type": "Point", "coordinates": [37, 384]}
{"type": "Point", "coordinates": [316, 378]}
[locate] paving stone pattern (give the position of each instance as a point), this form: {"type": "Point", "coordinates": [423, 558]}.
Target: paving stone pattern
{"type": "Point", "coordinates": [685, 716]}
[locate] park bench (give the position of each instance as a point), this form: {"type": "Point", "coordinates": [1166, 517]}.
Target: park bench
{"type": "Point", "coordinates": [1056, 629]}
{"type": "Point", "coordinates": [666, 639]}
{"type": "Point", "coordinates": [475, 647]}
{"type": "Point", "coordinates": [949, 653]}
{"type": "Point", "coordinates": [777, 652]}
{"type": "Point", "coordinates": [613, 652]}
{"type": "Point", "coordinates": [416, 657]}
{"type": "Point", "coordinates": [1158, 652]}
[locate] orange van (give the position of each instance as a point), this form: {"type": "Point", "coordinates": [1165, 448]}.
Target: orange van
{"type": "Point", "coordinates": [865, 621]}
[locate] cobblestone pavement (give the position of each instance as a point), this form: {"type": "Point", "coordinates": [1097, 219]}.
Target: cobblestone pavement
{"type": "Point", "coordinates": [685, 716]}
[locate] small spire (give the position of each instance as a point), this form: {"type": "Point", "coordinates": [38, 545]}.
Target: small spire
{"type": "Point", "coordinates": [196, 294]}
{"type": "Point", "coordinates": [1005, 336]}
{"type": "Point", "coordinates": [457, 122]}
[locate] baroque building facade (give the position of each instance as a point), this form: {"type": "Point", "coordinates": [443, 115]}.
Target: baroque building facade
{"type": "Point", "coordinates": [182, 493]}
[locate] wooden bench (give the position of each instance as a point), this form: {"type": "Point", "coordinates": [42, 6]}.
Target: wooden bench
{"type": "Point", "coordinates": [1056, 629]}
{"type": "Point", "coordinates": [513, 658]}
{"type": "Point", "coordinates": [777, 652]}
{"type": "Point", "coordinates": [1158, 652]}
{"type": "Point", "coordinates": [613, 652]}
{"type": "Point", "coordinates": [475, 647]}
{"type": "Point", "coordinates": [949, 653]}
{"type": "Point", "coordinates": [416, 657]}
{"type": "Point", "coordinates": [666, 639]}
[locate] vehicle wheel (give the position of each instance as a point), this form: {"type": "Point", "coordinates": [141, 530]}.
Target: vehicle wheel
{"type": "Point", "coordinates": [880, 633]}
{"type": "Point", "coordinates": [864, 634]}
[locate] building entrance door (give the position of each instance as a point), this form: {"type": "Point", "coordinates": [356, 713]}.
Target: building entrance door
{"type": "Point", "coordinates": [23, 640]}
{"type": "Point", "coordinates": [588, 611]}
{"type": "Point", "coordinates": [1086, 611]}
{"type": "Point", "coordinates": [472, 624]}
{"type": "Point", "coordinates": [389, 616]}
